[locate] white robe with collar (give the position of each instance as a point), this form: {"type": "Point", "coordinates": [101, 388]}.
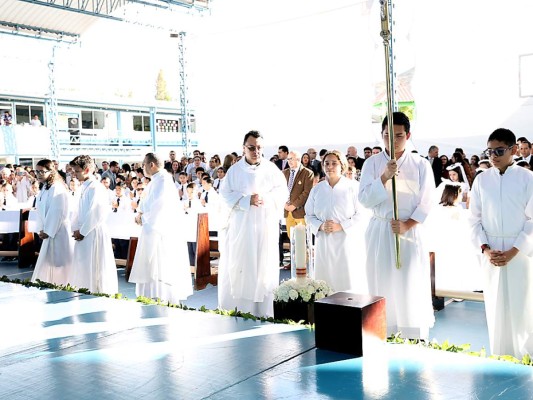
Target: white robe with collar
{"type": "Point", "coordinates": [501, 209]}
{"type": "Point", "coordinates": [54, 263]}
{"type": "Point", "coordinates": [161, 266]}
{"type": "Point", "coordinates": [249, 253]}
{"type": "Point", "coordinates": [339, 256]}
{"type": "Point", "coordinates": [407, 290]}
{"type": "Point", "coordinates": [93, 265]}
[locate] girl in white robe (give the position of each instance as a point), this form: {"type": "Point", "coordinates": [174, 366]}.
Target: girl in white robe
{"type": "Point", "coordinates": [339, 253]}
{"type": "Point", "coordinates": [457, 176]}
{"type": "Point", "coordinates": [53, 225]}
{"type": "Point", "coordinates": [456, 259]}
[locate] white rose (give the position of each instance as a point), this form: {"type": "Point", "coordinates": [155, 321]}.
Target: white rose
{"type": "Point", "coordinates": [293, 294]}
{"type": "Point", "coordinates": [319, 295]}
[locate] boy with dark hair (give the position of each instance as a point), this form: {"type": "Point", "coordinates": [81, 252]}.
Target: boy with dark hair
{"type": "Point", "coordinates": [93, 265]}
{"type": "Point", "coordinates": [408, 288]}
{"type": "Point", "coordinates": [502, 227]}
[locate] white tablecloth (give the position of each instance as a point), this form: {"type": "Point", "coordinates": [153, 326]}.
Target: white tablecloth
{"type": "Point", "coordinates": [120, 225]}
{"type": "Point", "coordinates": [9, 221]}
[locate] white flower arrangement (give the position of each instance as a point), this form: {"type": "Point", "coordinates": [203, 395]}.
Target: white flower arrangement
{"type": "Point", "coordinates": [305, 290]}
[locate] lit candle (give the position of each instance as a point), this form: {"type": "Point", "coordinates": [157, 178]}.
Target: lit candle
{"type": "Point", "coordinates": [300, 251]}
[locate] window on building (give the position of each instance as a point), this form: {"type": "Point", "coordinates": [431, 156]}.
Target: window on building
{"type": "Point", "coordinates": [141, 123]}
{"type": "Point", "coordinates": [92, 119]}
{"type": "Point", "coordinates": [26, 112]}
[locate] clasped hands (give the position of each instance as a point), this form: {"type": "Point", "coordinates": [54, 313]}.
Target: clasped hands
{"type": "Point", "coordinates": [256, 200]}
{"type": "Point", "coordinates": [330, 226]}
{"type": "Point", "coordinates": [500, 258]}
{"type": "Point", "coordinates": [289, 207]}
{"type": "Point", "coordinates": [77, 235]}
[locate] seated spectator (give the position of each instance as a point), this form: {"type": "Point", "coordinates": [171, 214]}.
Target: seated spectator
{"type": "Point", "coordinates": [35, 121]}
{"type": "Point", "coordinates": [7, 118]}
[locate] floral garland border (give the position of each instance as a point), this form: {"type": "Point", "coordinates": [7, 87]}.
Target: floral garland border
{"type": "Point", "coordinates": [396, 338]}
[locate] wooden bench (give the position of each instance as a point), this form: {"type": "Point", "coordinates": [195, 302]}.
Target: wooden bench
{"type": "Point", "coordinates": [26, 248]}
{"type": "Point", "coordinates": [439, 295]}
{"type": "Point", "coordinates": [206, 247]}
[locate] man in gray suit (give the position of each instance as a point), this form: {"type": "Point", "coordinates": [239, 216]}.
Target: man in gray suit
{"type": "Point", "coordinates": [111, 173]}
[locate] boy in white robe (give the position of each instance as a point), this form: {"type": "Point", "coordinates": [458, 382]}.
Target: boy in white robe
{"type": "Point", "coordinates": [93, 265]}
{"type": "Point", "coordinates": [255, 192]}
{"type": "Point", "coordinates": [408, 289]}
{"type": "Point", "coordinates": [160, 268]}
{"type": "Point", "coordinates": [502, 228]}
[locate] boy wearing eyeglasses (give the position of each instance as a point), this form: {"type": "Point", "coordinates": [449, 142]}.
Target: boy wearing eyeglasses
{"type": "Point", "coordinates": [503, 229]}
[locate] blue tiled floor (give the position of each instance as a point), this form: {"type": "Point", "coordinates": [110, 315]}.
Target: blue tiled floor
{"type": "Point", "coordinates": [59, 345]}
{"type": "Point", "coordinates": [459, 323]}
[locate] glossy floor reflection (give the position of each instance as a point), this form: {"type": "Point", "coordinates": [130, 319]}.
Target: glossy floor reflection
{"type": "Point", "coordinates": [59, 345]}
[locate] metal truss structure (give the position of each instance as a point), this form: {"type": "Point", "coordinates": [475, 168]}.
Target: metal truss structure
{"type": "Point", "coordinates": [51, 104]}
{"type": "Point", "coordinates": [108, 9]}
{"type": "Point", "coordinates": [104, 8]}
{"type": "Point", "coordinates": [37, 32]}
{"type": "Point", "coordinates": [184, 106]}
{"type": "Point", "coordinates": [52, 27]}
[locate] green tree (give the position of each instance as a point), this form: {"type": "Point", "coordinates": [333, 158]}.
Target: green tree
{"type": "Point", "coordinates": [161, 92]}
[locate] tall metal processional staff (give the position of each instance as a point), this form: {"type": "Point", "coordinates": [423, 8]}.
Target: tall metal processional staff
{"type": "Point", "coordinates": [386, 34]}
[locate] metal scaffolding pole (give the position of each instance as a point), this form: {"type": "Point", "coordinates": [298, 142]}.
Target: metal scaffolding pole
{"type": "Point", "coordinates": [185, 118]}
{"type": "Point", "coordinates": [51, 106]}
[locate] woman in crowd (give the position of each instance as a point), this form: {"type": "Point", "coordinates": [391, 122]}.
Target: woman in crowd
{"type": "Point", "coordinates": [306, 160]}
{"type": "Point", "coordinates": [126, 169]}
{"type": "Point", "coordinates": [176, 169]}
{"type": "Point", "coordinates": [229, 160]}
{"type": "Point", "coordinates": [55, 257]}
{"type": "Point", "coordinates": [448, 232]}
{"type": "Point", "coordinates": [351, 162]}
{"type": "Point", "coordinates": [333, 213]}
{"type": "Point", "coordinates": [445, 164]}
{"type": "Point", "coordinates": [474, 163]}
